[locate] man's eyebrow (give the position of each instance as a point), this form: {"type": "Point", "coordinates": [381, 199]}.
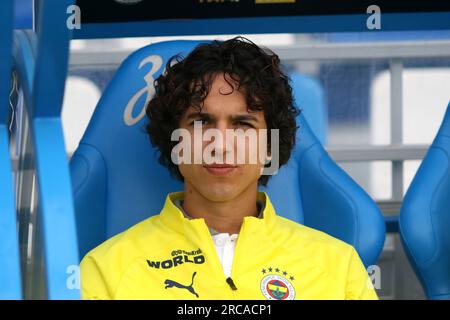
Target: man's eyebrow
{"type": "Point", "coordinates": [199, 115]}
{"type": "Point", "coordinates": [207, 116]}
{"type": "Point", "coordinates": [241, 117]}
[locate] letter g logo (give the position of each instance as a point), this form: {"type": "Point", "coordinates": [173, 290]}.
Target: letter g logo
{"type": "Point", "coordinates": [128, 118]}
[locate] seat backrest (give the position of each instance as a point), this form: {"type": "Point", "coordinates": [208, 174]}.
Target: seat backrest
{"type": "Point", "coordinates": [310, 99]}
{"type": "Point", "coordinates": [312, 189]}
{"type": "Point", "coordinates": [117, 180]}
{"type": "Point", "coordinates": [425, 217]}
{"type": "Point", "coordinates": [10, 281]}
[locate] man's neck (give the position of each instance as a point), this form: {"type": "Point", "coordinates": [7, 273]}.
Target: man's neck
{"type": "Point", "coordinates": [223, 216]}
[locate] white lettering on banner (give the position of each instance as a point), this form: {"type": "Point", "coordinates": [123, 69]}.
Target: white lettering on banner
{"type": "Point", "coordinates": [128, 1]}
{"type": "Point", "coordinates": [149, 89]}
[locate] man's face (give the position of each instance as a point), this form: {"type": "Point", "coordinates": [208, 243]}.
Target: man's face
{"type": "Point", "coordinates": [226, 111]}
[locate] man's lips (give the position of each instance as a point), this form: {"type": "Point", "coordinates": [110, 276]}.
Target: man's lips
{"type": "Point", "coordinates": [220, 169]}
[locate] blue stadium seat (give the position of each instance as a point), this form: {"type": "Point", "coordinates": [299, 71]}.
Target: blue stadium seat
{"type": "Point", "coordinates": [312, 189]}
{"type": "Point", "coordinates": [118, 182]}
{"type": "Point", "coordinates": [425, 217]}
{"type": "Point", "coordinates": [310, 99]}
{"type": "Point", "coordinates": [10, 281]}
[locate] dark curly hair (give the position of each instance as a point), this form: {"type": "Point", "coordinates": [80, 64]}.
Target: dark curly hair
{"type": "Point", "coordinates": [186, 82]}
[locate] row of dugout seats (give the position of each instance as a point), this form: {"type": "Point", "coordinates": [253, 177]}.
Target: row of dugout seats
{"type": "Point", "coordinates": [111, 184]}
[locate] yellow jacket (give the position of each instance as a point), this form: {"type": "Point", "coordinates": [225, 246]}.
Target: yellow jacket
{"type": "Point", "coordinates": [170, 257]}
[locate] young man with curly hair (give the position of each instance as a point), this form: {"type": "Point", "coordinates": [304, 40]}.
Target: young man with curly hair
{"type": "Point", "coordinates": [220, 238]}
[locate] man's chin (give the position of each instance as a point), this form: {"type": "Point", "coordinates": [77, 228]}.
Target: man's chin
{"type": "Point", "coordinates": [219, 193]}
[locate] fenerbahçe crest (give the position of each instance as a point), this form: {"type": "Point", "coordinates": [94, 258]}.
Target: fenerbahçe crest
{"type": "Point", "coordinates": [276, 286]}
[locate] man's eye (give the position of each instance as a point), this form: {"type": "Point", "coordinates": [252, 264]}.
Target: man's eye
{"type": "Point", "coordinates": [244, 124]}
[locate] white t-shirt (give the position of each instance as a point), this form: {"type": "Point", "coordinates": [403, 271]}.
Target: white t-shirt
{"type": "Point", "coordinates": [225, 245]}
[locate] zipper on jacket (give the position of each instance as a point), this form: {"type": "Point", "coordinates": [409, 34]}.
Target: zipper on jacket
{"type": "Point", "coordinates": [233, 265]}
{"type": "Point", "coordinates": [231, 283]}
{"type": "Point", "coordinates": [210, 241]}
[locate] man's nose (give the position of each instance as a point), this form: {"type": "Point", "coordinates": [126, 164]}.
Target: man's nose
{"type": "Point", "coordinates": [226, 143]}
